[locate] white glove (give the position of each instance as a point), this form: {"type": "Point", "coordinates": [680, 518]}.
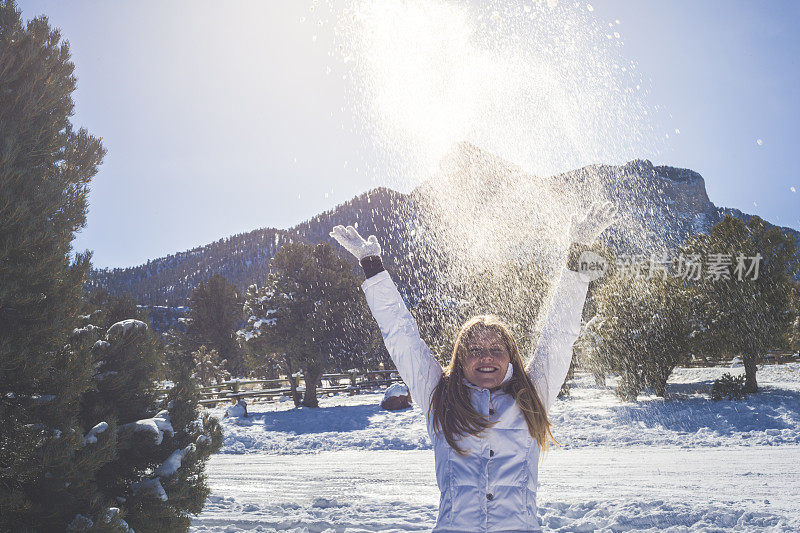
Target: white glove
{"type": "Point", "coordinates": [354, 243]}
{"type": "Point", "coordinates": [595, 222]}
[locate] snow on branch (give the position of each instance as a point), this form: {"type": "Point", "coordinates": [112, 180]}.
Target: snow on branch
{"type": "Point", "coordinates": [91, 437]}
{"type": "Point", "coordinates": [150, 486]}
{"type": "Point", "coordinates": [173, 462]}
{"type": "Point", "coordinates": [126, 327]}
{"type": "Point", "coordinates": [158, 425]}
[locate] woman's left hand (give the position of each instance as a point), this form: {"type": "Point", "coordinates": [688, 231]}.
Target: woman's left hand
{"type": "Point", "coordinates": [587, 229]}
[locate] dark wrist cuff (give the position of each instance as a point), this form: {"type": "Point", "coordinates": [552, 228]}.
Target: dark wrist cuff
{"type": "Point", "coordinates": [372, 265]}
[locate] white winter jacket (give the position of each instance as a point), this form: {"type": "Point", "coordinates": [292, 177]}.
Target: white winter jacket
{"type": "Point", "coordinates": [493, 486]}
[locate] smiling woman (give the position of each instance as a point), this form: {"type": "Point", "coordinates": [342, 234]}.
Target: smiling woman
{"type": "Point", "coordinates": [487, 411]}
{"type": "Point", "coordinates": [487, 353]}
{"type": "Point", "coordinates": [486, 358]}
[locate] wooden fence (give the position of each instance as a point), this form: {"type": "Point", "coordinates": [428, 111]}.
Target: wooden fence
{"type": "Point", "coordinates": [356, 381]}
{"type": "Point", "coordinates": [770, 358]}
{"type": "Point", "coordinates": [351, 382]}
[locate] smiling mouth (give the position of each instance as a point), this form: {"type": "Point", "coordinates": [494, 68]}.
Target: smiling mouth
{"type": "Point", "coordinates": [486, 369]}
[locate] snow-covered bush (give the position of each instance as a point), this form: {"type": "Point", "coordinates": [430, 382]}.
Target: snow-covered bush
{"type": "Point", "coordinates": [239, 409]}
{"type": "Point", "coordinates": [209, 368]}
{"type": "Point", "coordinates": [265, 357]}
{"type": "Point", "coordinates": [728, 387]}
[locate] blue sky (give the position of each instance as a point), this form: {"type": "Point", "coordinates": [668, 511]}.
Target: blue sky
{"type": "Point", "coordinates": [223, 117]}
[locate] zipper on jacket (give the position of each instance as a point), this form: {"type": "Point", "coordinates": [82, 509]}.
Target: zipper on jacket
{"type": "Point", "coordinates": [450, 483]}
{"type": "Point", "coordinates": [527, 471]}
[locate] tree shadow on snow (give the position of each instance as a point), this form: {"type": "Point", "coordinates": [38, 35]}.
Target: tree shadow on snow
{"type": "Point", "coordinates": [770, 408]}
{"type": "Point", "coordinates": [320, 419]}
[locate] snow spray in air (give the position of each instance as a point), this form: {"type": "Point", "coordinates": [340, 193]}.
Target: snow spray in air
{"type": "Point", "coordinates": [475, 106]}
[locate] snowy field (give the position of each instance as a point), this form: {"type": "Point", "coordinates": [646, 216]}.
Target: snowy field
{"type": "Point", "coordinates": [684, 464]}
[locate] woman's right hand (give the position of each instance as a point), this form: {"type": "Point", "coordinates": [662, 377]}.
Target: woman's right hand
{"type": "Point", "coordinates": [354, 243]}
{"type": "Point", "coordinates": [587, 228]}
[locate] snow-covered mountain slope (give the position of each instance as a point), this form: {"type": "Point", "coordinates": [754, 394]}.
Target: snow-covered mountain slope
{"type": "Point", "coordinates": [475, 199]}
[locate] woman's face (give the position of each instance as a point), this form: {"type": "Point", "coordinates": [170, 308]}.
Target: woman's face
{"type": "Point", "coordinates": [487, 359]}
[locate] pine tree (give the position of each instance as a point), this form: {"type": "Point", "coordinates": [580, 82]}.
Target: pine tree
{"type": "Point", "coordinates": [215, 312]}
{"type": "Point", "coordinates": [209, 369]}
{"type": "Point", "coordinates": [754, 314]}
{"type": "Point", "coordinates": [268, 345]}
{"type": "Point", "coordinates": [46, 467]}
{"type": "Point", "coordinates": [160, 446]}
{"type": "Point", "coordinates": [319, 313]}
{"type": "Point", "coordinates": [114, 308]}
{"type": "Point", "coordinates": [167, 468]}
{"type": "Point", "coordinates": [793, 336]}
{"type": "Point", "coordinates": [641, 331]}
{"type": "Point", "coordinates": [196, 438]}
{"type": "Point", "coordinates": [264, 357]}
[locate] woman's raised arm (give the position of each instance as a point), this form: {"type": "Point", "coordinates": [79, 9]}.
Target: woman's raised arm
{"type": "Point", "coordinates": [412, 357]}
{"type": "Point", "coordinates": [553, 354]}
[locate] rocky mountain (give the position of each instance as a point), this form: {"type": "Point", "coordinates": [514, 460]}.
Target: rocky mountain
{"type": "Point", "coordinates": [242, 258]}
{"type": "Point", "coordinates": [475, 209]}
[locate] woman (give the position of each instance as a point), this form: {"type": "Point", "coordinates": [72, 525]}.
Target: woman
{"type": "Point", "coordinates": [486, 412]}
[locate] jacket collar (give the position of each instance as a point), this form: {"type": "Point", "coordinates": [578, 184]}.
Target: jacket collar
{"type": "Point", "coordinates": [509, 373]}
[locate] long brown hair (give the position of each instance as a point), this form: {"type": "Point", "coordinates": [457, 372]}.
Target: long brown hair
{"type": "Point", "coordinates": [452, 412]}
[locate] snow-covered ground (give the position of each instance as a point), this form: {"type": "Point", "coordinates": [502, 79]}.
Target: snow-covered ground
{"type": "Point", "coordinates": [681, 464]}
